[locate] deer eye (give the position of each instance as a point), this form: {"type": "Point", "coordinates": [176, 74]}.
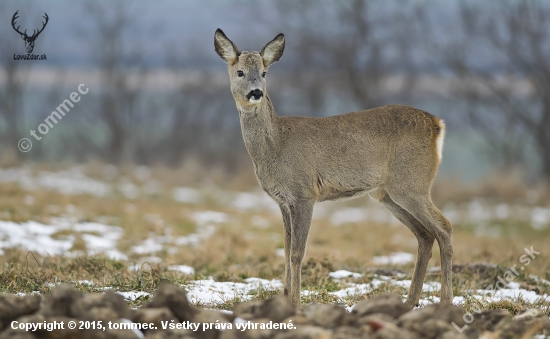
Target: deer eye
{"type": "Point", "coordinates": [240, 74]}
{"type": "Point", "coordinates": [263, 74]}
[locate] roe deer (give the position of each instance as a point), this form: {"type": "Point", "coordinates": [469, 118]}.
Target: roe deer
{"type": "Point", "coordinates": [391, 152]}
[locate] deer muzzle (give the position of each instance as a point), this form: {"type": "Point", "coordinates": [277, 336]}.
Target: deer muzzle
{"type": "Point", "coordinates": [255, 96]}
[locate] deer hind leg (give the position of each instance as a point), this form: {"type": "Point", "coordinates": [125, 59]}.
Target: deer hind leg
{"type": "Point", "coordinates": [425, 243]}
{"type": "Point", "coordinates": [422, 208]}
{"type": "Point", "coordinates": [285, 211]}
{"type": "Point", "coordinates": [300, 214]}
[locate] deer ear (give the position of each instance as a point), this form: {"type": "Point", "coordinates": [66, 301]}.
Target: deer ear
{"type": "Point", "coordinates": [225, 48]}
{"type": "Point", "coordinates": [273, 51]}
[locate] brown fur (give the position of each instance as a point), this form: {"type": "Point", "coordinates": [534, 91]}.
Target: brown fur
{"type": "Point", "coordinates": [390, 152]}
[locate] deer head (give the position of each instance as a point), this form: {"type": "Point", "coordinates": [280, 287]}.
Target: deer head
{"type": "Point", "coordinates": [247, 70]}
{"type": "Point", "coordinates": [29, 40]}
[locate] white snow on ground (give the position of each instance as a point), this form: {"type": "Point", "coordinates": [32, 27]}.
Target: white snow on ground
{"type": "Point", "coordinates": [155, 243]}
{"type": "Point", "coordinates": [206, 217]}
{"type": "Point", "coordinates": [149, 245]}
{"type": "Point", "coordinates": [99, 238]}
{"type": "Point", "coordinates": [259, 221]}
{"type": "Point", "coordinates": [398, 258]}
{"type": "Point", "coordinates": [205, 221]}
{"type": "Point", "coordinates": [187, 195]}
{"type": "Point", "coordinates": [37, 237]}
{"type": "Point", "coordinates": [208, 292]}
{"type": "Point", "coordinates": [349, 215]}
{"type": "Point", "coordinates": [540, 218]}
{"type": "Point", "coordinates": [242, 201]}
{"type": "Point", "coordinates": [343, 274]}
{"type": "Point", "coordinates": [370, 213]}
{"type": "Point", "coordinates": [539, 280]}
{"type": "Point", "coordinates": [133, 295]}
{"type": "Point", "coordinates": [70, 181]}
{"type": "Point", "coordinates": [195, 238]}
{"type": "Point", "coordinates": [513, 292]}
{"type": "Point", "coordinates": [245, 201]}
{"type": "Point", "coordinates": [128, 189]}
{"type": "Point", "coordinates": [182, 268]}
{"type": "Point", "coordinates": [73, 180]}
{"type": "Point", "coordinates": [478, 210]}
{"type": "Point", "coordinates": [206, 225]}
{"type": "Point", "coordinates": [359, 289]}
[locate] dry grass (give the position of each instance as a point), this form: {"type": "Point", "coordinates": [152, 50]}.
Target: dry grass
{"type": "Point", "coordinates": [240, 248]}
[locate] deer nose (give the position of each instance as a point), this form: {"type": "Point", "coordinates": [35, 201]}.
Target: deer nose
{"type": "Point", "coordinates": [256, 94]}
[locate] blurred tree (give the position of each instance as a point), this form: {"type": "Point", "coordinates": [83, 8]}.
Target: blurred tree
{"type": "Point", "coordinates": [501, 66]}
{"type": "Point", "coordinates": [364, 54]}
{"type": "Point", "coordinates": [13, 78]}
{"type": "Point", "coordinates": [123, 74]}
{"type": "Point", "coordinates": [194, 122]}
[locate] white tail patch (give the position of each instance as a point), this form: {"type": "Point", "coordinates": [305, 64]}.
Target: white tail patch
{"type": "Point", "coordinates": [440, 139]}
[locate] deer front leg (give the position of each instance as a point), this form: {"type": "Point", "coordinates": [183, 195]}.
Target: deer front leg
{"type": "Point", "coordinates": [300, 214]}
{"type": "Point", "coordinates": [285, 211]}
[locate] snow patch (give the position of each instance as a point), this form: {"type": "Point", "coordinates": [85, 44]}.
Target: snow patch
{"type": "Point", "coordinates": [186, 195]}
{"type": "Point", "coordinates": [348, 215]}
{"type": "Point", "coordinates": [149, 245]}
{"type": "Point", "coordinates": [399, 258]}
{"type": "Point", "coordinates": [183, 269]}
{"type": "Point", "coordinates": [71, 181]}
{"type": "Point", "coordinates": [37, 237]}
{"type": "Point", "coordinates": [341, 274]}
{"type": "Point", "coordinates": [206, 217]}
{"type": "Point", "coordinates": [208, 292]}
{"type": "Point", "coordinates": [133, 295]}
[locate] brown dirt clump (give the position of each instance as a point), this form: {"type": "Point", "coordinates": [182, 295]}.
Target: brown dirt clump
{"type": "Point", "coordinates": [170, 316]}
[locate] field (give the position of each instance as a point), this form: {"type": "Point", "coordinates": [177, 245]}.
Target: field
{"type": "Point", "coordinates": [99, 227]}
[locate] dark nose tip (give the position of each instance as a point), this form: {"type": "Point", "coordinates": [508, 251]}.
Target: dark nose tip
{"type": "Point", "coordinates": [257, 94]}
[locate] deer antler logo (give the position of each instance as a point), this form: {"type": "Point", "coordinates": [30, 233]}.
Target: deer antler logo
{"type": "Point", "coordinates": [29, 40]}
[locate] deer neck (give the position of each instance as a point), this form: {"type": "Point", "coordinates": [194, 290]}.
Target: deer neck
{"type": "Point", "coordinates": [259, 128]}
